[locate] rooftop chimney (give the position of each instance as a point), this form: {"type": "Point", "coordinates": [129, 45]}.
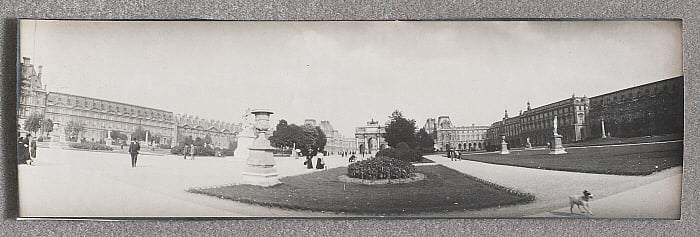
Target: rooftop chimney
{"type": "Point", "coordinates": [27, 60]}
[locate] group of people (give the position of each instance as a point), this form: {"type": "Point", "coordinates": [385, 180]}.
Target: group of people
{"type": "Point", "coordinates": [454, 155]}
{"type": "Point", "coordinates": [188, 150]}
{"type": "Point", "coordinates": [320, 164]}
{"type": "Point", "coordinates": [26, 150]}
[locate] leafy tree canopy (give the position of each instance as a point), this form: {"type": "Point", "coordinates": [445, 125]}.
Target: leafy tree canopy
{"type": "Point", "coordinates": [400, 129]}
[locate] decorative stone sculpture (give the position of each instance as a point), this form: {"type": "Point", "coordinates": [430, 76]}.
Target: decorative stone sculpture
{"type": "Point", "coordinates": [504, 146]}
{"type": "Point", "coordinates": [260, 170]}
{"type": "Point", "coordinates": [528, 145]}
{"type": "Point", "coordinates": [556, 147]}
{"type": "Point", "coordinates": [602, 128]}
{"type": "Point", "coordinates": [246, 137]}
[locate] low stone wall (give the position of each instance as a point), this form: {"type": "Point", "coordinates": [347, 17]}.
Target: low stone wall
{"type": "Point", "coordinates": [414, 178]}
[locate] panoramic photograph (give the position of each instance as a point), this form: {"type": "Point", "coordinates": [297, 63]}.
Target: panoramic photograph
{"type": "Point", "coordinates": [338, 119]}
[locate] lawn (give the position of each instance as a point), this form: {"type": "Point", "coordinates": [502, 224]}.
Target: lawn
{"type": "Point", "coordinates": [629, 140]}
{"type": "Point", "coordinates": [619, 160]}
{"type": "Point", "coordinates": [443, 190]}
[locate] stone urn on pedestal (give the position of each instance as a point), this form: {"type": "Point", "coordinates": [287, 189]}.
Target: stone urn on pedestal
{"type": "Point", "coordinates": [260, 161]}
{"type": "Point", "coordinates": [504, 146]}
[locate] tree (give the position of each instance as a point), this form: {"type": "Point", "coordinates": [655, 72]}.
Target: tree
{"type": "Point", "coordinates": [198, 141]}
{"type": "Point", "coordinates": [400, 129]}
{"type": "Point", "coordinates": [73, 129]}
{"type": "Point", "coordinates": [321, 140]}
{"type": "Point", "coordinates": [188, 140]}
{"type": "Point", "coordinates": [33, 123]}
{"type": "Point", "coordinates": [425, 141]}
{"type": "Point", "coordinates": [139, 134]}
{"type": "Point", "coordinates": [207, 139]}
{"type": "Point", "coordinates": [48, 126]}
{"type": "Point", "coordinates": [304, 137]}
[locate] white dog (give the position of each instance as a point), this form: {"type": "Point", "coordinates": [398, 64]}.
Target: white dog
{"type": "Point", "coordinates": [581, 201]}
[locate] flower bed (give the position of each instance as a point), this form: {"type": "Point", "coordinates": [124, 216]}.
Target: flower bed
{"type": "Point", "coordinates": [381, 168]}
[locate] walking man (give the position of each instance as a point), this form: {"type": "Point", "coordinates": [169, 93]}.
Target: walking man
{"type": "Point", "coordinates": [134, 148]}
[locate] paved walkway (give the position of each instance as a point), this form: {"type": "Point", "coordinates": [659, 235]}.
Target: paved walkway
{"type": "Point", "coordinates": [69, 183]}
{"type": "Point", "coordinates": [658, 195]}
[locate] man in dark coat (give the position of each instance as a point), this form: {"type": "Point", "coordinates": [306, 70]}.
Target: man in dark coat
{"type": "Point", "coordinates": [134, 148]}
{"type": "Point", "coordinates": [21, 151]}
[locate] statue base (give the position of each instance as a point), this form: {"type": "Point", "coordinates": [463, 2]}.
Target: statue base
{"type": "Point", "coordinates": [504, 149]}
{"type": "Point", "coordinates": [557, 147]}
{"type": "Point", "coordinates": [261, 179]}
{"type": "Point", "coordinates": [261, 163]}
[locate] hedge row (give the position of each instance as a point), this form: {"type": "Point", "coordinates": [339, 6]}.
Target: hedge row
{"type": "Point", "coordinates": [91, 146]}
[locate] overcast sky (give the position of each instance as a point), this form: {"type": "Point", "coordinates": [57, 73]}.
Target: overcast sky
{"type": "Point", "coordinates": [350, 72]}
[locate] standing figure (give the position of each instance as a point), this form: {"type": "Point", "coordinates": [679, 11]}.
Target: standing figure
{"type": "Point", "coordinates": [309, 163]}
{"type": "Point", "coordinates": [28, 149]}
{"type": "Point", "coordinates": [319, 162]}
{"type": "Point", "coordinates": [21, 151]}
{"type": "Point", "coordinates": [134, 148]}
{"type": "Point", "coordinates": [185, 150]}
{"type": "Point", "coordinates": [458, 155]}
{"type": "Point", "coordinates": [32, 149]}
{"type": "Point", "coordinates": [192, 151]}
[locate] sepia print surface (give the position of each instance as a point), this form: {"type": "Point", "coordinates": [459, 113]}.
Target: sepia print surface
{"type": "Point", "coordinates": [568, 119]}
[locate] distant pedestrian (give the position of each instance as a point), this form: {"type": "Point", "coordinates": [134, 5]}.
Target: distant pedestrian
{"type": "Point", "coordinates": [22, 149]}
{"type": "Point", "coordinates": [320, 164]}
{"type": "Point", "coordinates": [134, 148]}
{"type": "Point", "coordinates": [309, 156]}
{"type": "Point", "coordinates": [32, 149]}
{"type": "Point", "coordinates": [458, 155]}
{"type": "Point", "coordinates": [185, 151]}
{"type": "Point", "coordinates": [192, 151]}
{"type": "Point", "coordinates": [352, 159]}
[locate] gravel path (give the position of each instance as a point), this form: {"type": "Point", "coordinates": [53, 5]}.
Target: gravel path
{"type": "Point", "coordinates": [552, 188]}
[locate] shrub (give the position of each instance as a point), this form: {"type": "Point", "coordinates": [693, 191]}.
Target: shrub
{"type": "Point", "coordinates": [404, 154]}
{"type": "Point", "coordinates": [91, 146]}
{"type": "Point", "coordinates": [164, 146]}
{"type": "Point", "coordinates": [402, 145]}
{"type": "Point", "coordinates": [177, 150]}
{"type": "Point", "coordinates": [198, 150]}
{"type": "Point", "coordinates": [41, 139]}
{"type": "Point", "coordinates": [381, 167]}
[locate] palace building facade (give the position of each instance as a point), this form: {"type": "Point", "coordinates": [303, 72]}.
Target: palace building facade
{"type": "Point", "coordinates": [335, 142]}
{"type": "Point", "coordinates": [100, 120]}
{"type": "Point", "coordinates": [649, 109]}
{"type": "Point", "coordinates": [222, 134]}
{"type": "Point", "coordinates": [463, 138]}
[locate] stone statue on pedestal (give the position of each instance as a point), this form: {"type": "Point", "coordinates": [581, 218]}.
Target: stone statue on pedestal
{"type": "Point", "coordinates": [555, 125]}
{"type": "Point", "coordinates": [527, 143]}
{"type": "Point", "coordinates": [246, 136]}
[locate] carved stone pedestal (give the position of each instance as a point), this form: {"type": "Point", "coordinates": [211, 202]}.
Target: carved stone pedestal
{"type": "Point", "coordinates": [557, 147]}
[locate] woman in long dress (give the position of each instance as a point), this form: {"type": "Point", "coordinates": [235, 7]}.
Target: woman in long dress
{"type": "Point", "coordinates": [319, 162]}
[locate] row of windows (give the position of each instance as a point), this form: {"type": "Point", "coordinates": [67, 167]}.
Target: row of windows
{"type": "Point", "coordinates": [109, 125]}
{"type": "Point", "coordinates": [106, 116]}
{"type": "Point", "coordinates": [623, 95]}
{"type": "Point", "coordinates": [115, 108]}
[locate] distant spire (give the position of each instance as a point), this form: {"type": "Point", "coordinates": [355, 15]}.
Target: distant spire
{"type": "Point", "coordinates": [528, 105]}
{"type": "Point", "coordinates": [506, 115]}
